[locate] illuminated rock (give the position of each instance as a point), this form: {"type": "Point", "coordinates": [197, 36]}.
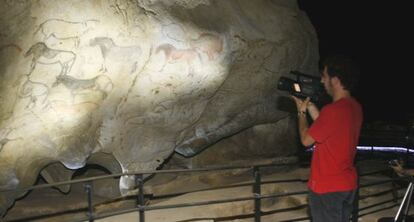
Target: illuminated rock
{"type": "Point", "coordinates": [135, 80]}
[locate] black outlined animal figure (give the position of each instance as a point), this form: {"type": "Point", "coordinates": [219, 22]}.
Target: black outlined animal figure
{"type": "Point", "coordinates": [47, 56]}
{"type": "Point", "coordinates": [37, 93]}
{"type": "Point", "coordinates": [68, 43]}
{"type": "Point", "coordinates": [62, 29]}
{"type": "Point", "coordinates": [101, 83]}
{"type": "Point", "coordinates": [112, 53]}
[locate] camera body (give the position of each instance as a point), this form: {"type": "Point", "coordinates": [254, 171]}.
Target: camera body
{"type": "Point", "coordinates": [304, 85]}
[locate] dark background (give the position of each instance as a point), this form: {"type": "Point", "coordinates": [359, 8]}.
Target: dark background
{"type": "Point", "coordinates": [376, 35]}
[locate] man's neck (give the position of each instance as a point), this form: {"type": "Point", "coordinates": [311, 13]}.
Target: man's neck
{"type": "Point", "coordinates": [340, 94]}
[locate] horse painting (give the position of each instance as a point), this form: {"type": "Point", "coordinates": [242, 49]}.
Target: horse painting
{"type": "Point", "coordinates": [47, 56]}
{"type": "Point", "coordinates": [174, 55]}
{"type": "Point", "coordinates": [101, 83]}
{"type": "Point", "coordinates": [112, 53]}
{"type": "Point", "coordinates": [208, 43]}
{"type": "Point", "coordinates": [62, 29]}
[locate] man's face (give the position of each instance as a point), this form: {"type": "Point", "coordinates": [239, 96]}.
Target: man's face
{"type": "Point", "coordinates": [326, 81]}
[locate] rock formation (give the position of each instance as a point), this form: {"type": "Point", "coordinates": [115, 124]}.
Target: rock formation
{"type": "Point", "coordinates": [124, 84]}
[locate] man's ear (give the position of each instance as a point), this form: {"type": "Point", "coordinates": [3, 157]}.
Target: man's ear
{"type": "Point", "coordinates": [335, 80]}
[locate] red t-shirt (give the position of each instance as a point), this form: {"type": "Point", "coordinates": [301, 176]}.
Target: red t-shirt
{"type": "Point", "coordinates": [336, 134]}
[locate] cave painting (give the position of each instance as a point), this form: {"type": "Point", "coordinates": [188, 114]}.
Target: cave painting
{"type": "Point", "coordinates": [112, 53]}
{"type": "Point", "coordinates": [63, 30]}
{"type": "Point", "coordinates": [208, 43]}
{"type": "Point", "coordinates": [173, 55]}
{"type": "Point", "coordinates": [41, 54]}
{"type": "Point", "coordinates": [100, 83]}
{"type": "Point", "coordinates": [35, 92]}
{"type": "Point", "coordinates": [88, 87]}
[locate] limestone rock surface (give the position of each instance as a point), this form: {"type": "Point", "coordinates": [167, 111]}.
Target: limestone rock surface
{"type": "Point", "coordinates": [124, 84]}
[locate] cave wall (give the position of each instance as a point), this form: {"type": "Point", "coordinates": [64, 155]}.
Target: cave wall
{"type": "Point", "coordinates": [127, 83]}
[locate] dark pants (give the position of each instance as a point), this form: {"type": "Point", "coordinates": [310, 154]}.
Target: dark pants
{"type": "Point", "coordinates": [331, 207]}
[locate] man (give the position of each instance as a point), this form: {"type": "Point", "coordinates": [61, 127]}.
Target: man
{"type": "Point", "coordinates": [335, 134]}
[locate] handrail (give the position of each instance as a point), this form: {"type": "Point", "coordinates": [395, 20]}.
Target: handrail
{"type": "Point", "coordinates": [256, 194]}
{"type": "Point", "coordinates": [49, 185]}
{"type": "Point", "coordinates": [216, 168]}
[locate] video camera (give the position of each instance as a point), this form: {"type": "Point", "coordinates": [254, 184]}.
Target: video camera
{"type": "Point", "coordinates": [304, 86]}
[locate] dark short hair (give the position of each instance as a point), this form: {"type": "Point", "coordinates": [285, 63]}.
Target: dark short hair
{"type": "Point", "coordinates": [344, 68]}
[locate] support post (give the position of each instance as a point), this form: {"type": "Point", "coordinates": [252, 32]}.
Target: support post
{"type": "Point", "coordinates": [88, 190]}
{"type": "Point", "coordinates": [257, 194]}
{"type": "Point", "coordinates": [140, 186]}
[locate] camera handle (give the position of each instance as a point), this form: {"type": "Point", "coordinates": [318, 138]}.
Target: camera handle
{"type": "Point", "coordinates": [405, 203]}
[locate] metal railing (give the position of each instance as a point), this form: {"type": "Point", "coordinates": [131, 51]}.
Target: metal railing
{"type": "Point", "coordinates": [256, 196]}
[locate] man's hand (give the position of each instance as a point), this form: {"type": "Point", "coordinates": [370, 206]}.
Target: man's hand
{"type": "Point", "coordinates": [398, 168]}
{"type": "Point", "coordinates": [305, 138]}
{"type": "Point", "coordinates": [301, 105]}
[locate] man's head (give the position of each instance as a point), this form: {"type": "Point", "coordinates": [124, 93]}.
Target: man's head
{"type": "Point", "coordinates": [344, 69]}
